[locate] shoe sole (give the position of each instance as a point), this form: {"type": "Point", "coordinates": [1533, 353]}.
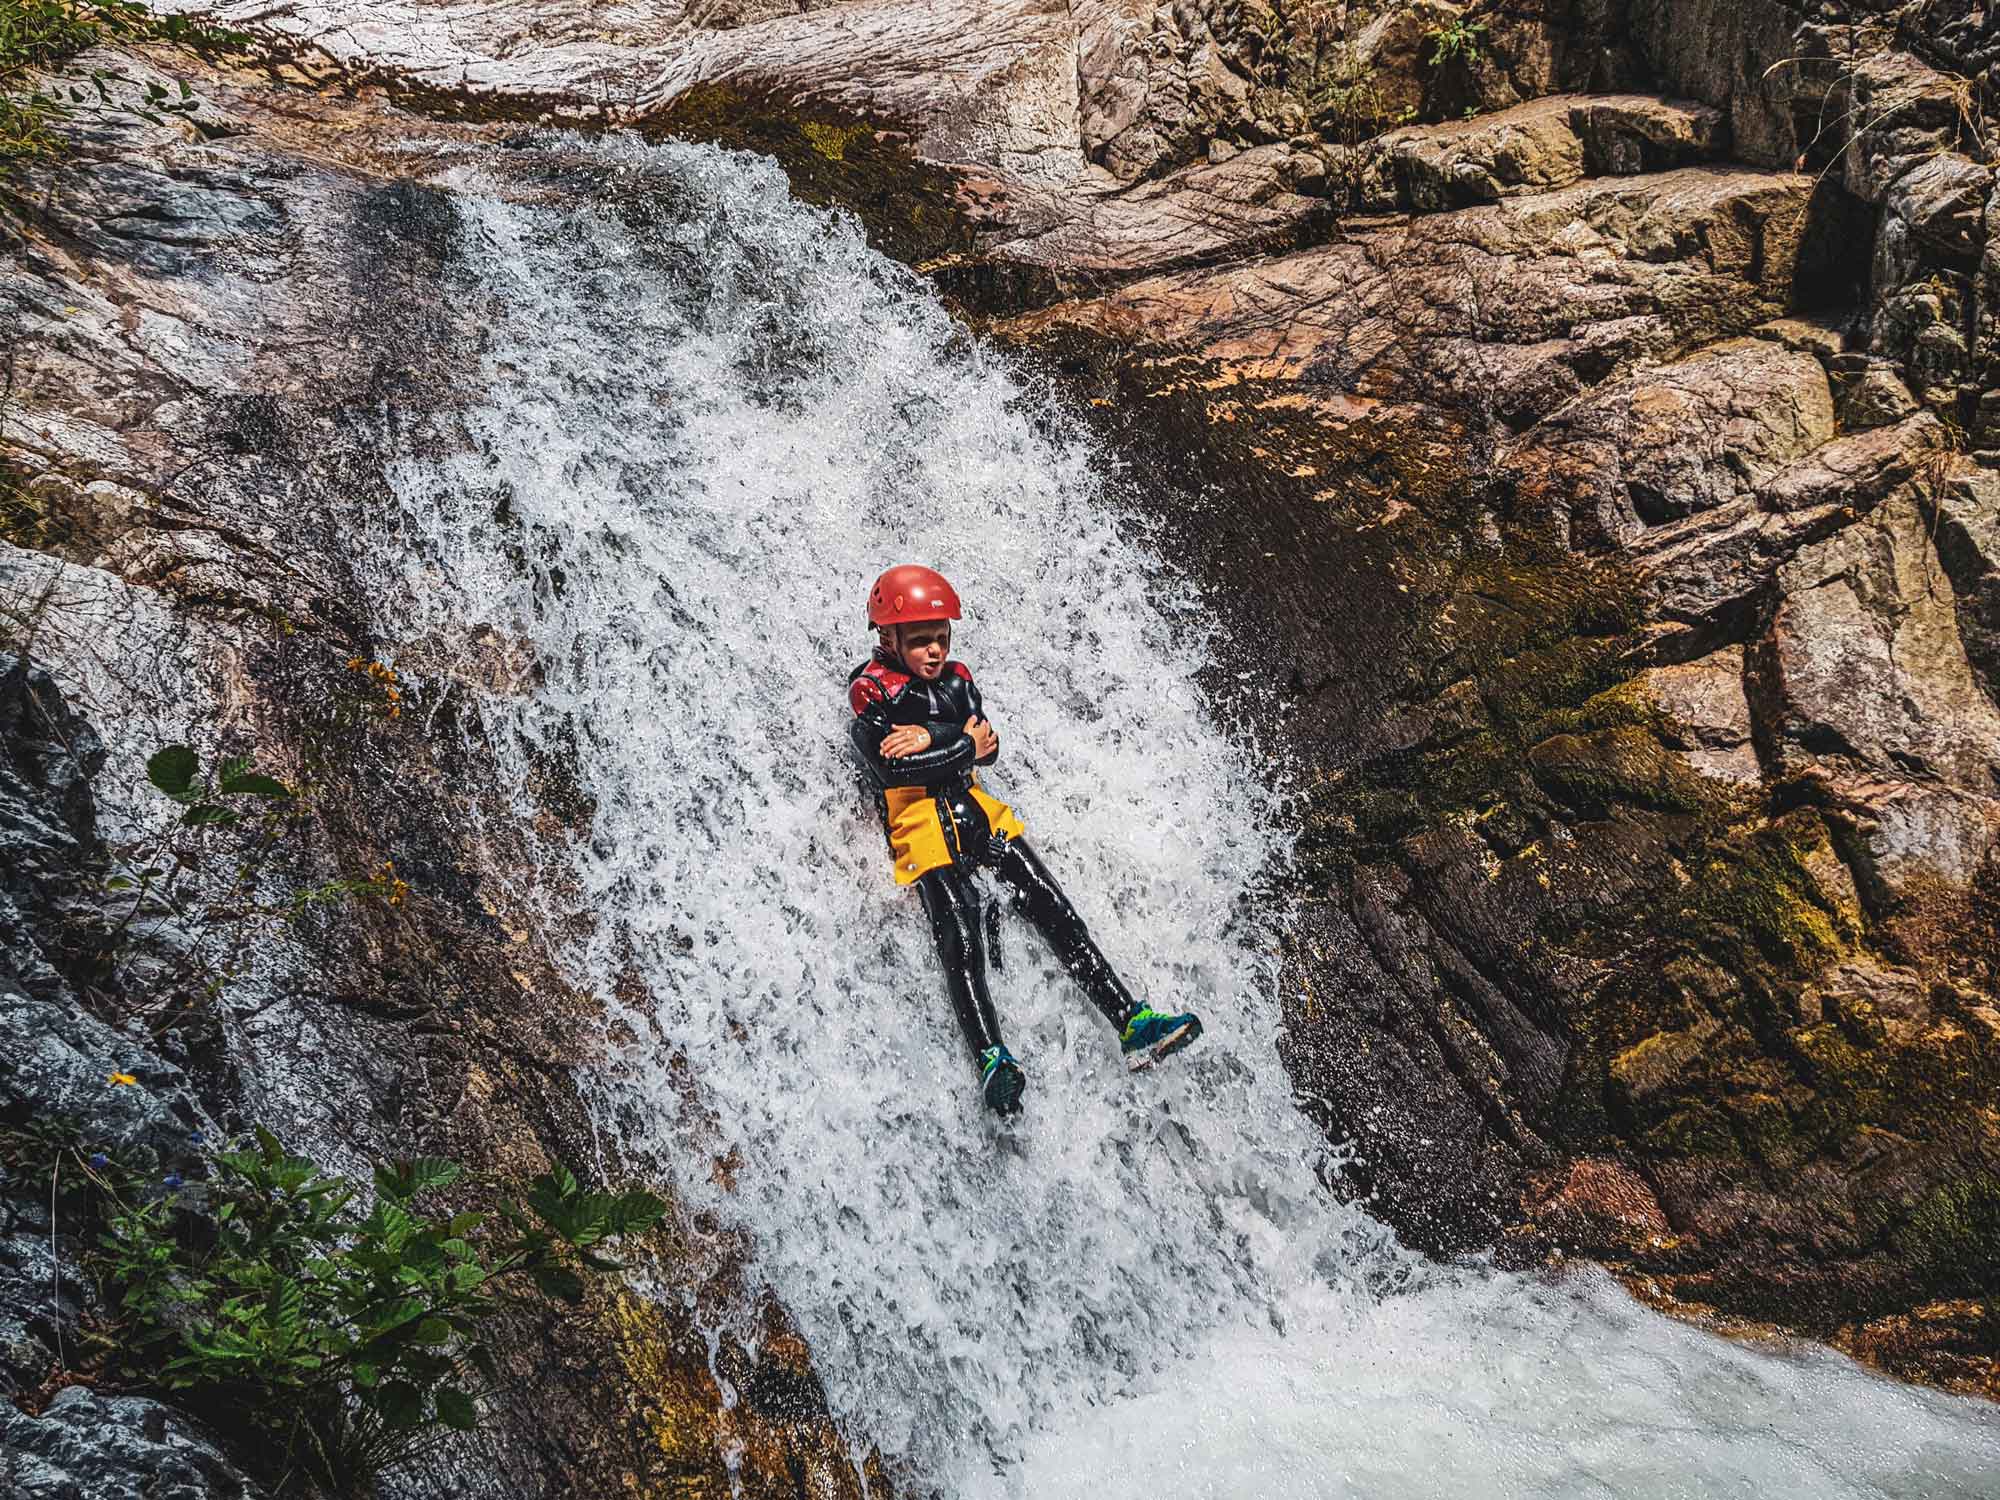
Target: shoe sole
{"type": "Point", "coordinates": [1173, 1041]}
{"type": "Point", "coordinates": [1003, 1093]}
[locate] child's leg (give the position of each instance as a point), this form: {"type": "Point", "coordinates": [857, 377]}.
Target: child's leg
{"type": "Point", "coordinates": [1049, 909]}
{"type": "Point", "coordinates": [953, 907]}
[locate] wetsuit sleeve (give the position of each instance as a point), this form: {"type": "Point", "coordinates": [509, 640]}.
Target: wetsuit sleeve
{"type": "Point", "coordinates": [949, 755]}
{"type": "Point", "coordinates": [979, 712]}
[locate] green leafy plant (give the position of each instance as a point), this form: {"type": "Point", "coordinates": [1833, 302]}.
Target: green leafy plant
{"type": "Point", "coordinates": [1458, 40]}
{"type": "Point", "coordinates": [350, 1342]}
{"type": "Point", "coordinates": [228, 811]}
{"type": "Point", "coordinates": [216, 799]}
{"type": "Point", "coordinates": [39, 89]}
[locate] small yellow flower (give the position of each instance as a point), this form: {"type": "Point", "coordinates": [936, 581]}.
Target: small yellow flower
{"type": "Point", "coordinates": [120, 1080]}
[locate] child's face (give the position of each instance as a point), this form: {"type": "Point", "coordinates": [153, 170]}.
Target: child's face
{"type": "Point", "coordinates": [924, 647]}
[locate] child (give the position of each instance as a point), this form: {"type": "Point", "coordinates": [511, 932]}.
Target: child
{"type": "Point", "coordinates": [920, 728]}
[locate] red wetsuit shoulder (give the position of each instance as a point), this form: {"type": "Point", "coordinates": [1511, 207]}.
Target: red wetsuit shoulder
{"type": "Point", "coordinates": [874, 682]}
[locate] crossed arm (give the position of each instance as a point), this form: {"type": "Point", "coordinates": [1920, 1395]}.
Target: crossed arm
{"type": "Point", "coordinates": [922, 754]}
{"type": "Point", "coordinates": [913, 739]}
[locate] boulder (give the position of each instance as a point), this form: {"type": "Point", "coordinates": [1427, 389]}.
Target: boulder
{"type": "Point", "coordinates": [113, 1448]}
{"type": "Point", "coordinates": [1670, 441]}
{"type": "Point", "coordinates": [1703, 576]}
{"type": "Point", "coordinates": [1942, 199]}
{"type": "Point", "coordinates": [1862, 670]}
{"type": "Point", "coordinates": [1706, 714]}
{"type": "Point", "coordinates": [1721, 52]}
{"type": "Point", "coordinates": [1912, 843]}
{"type": "Point", "coordinates": [1393, 51]}
{"type": "Point", "coordinates": [1236, 203]}
{"type": "Point", "coordinates": [1530, 148]}
{"type": "Point", "coordinates": [1897, 112]}
{"type": "Point", "coordinates": [1964, 517]}
{"type": "Point", "coordinates": [1547, 143]}
{"type": "Point", "coordinates": [1822, 340]}
{"type": "Point", "coordinates": [1878, 399]}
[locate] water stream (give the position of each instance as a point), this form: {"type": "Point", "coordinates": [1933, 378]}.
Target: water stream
{"type": "Point", "coordinates": [707, 416]}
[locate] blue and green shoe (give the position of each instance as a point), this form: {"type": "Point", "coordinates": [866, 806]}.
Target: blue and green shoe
{"type": "Point", "coordinates": [1151, 1035]}
{"type": "Point", "coordinates": [1001, 1081]}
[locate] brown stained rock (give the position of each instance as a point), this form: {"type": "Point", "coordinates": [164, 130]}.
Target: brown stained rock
{"type": "Point", "coordinates": [1670, 441]}
{"type": "Point", "coordinates": [1597, 1206]}
{"type": "Point", "coordinates": [1862, 670]}
{"type": "Point", "coordinates": [1822, 340]}
{"type": "Point", "coordinates": [1154, 83]}
{"type": "Point", "coordinates": [1895, 112]}
{"type": "Point", "coordinates": [1943, 201]}
{"type": "Point", "coordinates": [1964, 516]}
{"type": "Point", "coordinates": [1721, 52]}
{"type": "Point", "coordinates": [1393, 49]}
{"type": "Point", "coordinates": [1658, 1064]}
{"type": "Point", "coordinates": [1912, 842]}
{"type": "Point", "coordinates": [1628, 765]}
{"type": "Point", "coordinates": [1626, 134]}
{"type": "Point", "coordinates": [1534, 147]}
{"type": "Point", "coordinates": [1947, 1343]}
{"type": "Point", "coordinates": [1705, 572]}
{"type": "Point", "coordinates": [1504, 304]}
{"type": "Point", "coordinates": [1707, 714]}
{"type": "Point", "coordinates": [992, 83]}
{"type": "Point", "coordinates": [80, 520]}
{"type": "Point", "coordinates": [1238, 203]}
{"type": "Point", "coordinates": [1530, 148]}
{"type": "Point", "coordinates": [1887, 1005]}
{"type": "Point", "coordinates": [1877, 399]}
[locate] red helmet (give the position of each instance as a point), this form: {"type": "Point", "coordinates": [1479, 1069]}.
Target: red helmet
{"type": "Point", "coordinates": [909, 592]}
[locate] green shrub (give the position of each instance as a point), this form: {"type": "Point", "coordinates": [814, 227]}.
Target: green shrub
{"type": "Point", "coordinates": [1456, 41]}
{"type": "Point", "coordinates": [230, 812]}
{"type": "Point", "coordinates": [39, 89]}
{"type": "Point", "coordinates": [344, 1343]}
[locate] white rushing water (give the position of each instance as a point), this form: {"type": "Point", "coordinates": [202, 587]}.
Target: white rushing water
{"type": "Point", "coordinates": [714, 415]}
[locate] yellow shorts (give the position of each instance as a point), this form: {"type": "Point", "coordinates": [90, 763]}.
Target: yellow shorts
{"type": "Point", "coordinates": [917, 835]}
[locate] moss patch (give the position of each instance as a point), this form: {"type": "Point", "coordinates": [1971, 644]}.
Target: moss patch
{"type": "Point", "coordinates": [1590, 772]}
{"type": "Point", "coordinates": [1954, 1236]}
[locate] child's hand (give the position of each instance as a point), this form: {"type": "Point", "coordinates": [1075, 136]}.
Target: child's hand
{"type": "Point", "coordinates": [905, 739]}
{"type": "Point", "coordinates": [985, 739]}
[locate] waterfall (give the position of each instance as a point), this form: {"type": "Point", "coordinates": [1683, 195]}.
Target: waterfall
{"type": "Point", "coordinates": [705, 417]}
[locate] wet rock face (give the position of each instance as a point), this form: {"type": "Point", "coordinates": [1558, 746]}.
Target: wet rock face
{"type": "Point", "coordinates": [47, 823]}
{"type": "Point", "coordinates": [113, 1448]}
{"type": "Point", "coordinates": [55, 1062]}
{"type": "Point", "coordinates": [211, 327]}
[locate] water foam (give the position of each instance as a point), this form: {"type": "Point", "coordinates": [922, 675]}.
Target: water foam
{"type": "Point", "coordinates": [709, 415]}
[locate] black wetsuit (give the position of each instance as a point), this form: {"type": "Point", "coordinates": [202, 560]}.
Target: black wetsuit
{"type": "Point", "coordinates": [884, 696]}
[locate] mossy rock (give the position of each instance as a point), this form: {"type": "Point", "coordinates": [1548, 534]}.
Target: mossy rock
{"type": "Point", "coordinates": [1624, 705]}
{"type": "Point", "coordinates": [1953, 1238]}
{"type": "Point", "coordinates": [1589, 772]}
